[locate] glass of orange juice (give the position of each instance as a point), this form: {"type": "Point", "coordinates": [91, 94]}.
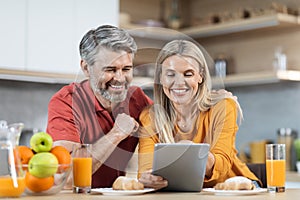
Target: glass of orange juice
{"type": "Point", "coordinates": [82, 169]}
{"type": "Point", "coordinates": [275, 167]}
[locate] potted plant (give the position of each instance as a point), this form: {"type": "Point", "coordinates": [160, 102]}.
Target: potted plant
{"type": "Point", "coordinates": [297, 148]}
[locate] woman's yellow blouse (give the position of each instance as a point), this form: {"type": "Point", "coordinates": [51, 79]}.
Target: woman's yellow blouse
{"type": "Point", "coordinates": [218, 127]}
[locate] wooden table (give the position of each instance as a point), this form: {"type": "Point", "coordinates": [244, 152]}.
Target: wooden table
{"type": "Point", "coordinates": [68, 195]}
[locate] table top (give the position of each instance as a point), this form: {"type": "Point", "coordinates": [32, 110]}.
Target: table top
{"type": "Point", "coordinates": [292, 176]}
{"type": "Point", "coordinates": [68, 195]}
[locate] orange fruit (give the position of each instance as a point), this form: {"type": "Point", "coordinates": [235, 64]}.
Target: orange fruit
{"type": "Point", "coordinates": [63, 156]}
{"type": "Point", "coordinates": [25, 153]}
{"type": "Point", "coordinates": [36, 184]}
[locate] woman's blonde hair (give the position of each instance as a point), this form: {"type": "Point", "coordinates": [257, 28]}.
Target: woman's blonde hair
{"type": "Point", "coordinates": [163, 112]}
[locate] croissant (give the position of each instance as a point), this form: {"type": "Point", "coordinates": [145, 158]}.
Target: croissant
{"type": "Point", "coordinates": [236, 183]}
{"type": "Point", "coordinates": [126, 183]}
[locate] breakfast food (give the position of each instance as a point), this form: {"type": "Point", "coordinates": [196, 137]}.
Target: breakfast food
{"type": "Point", "coordinates": [236, 183]}
{"type": "Point", "coordinates": [126, 183]}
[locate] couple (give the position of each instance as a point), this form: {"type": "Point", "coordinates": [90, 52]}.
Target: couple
{"type": "Point", "coordinates": [104, 110]}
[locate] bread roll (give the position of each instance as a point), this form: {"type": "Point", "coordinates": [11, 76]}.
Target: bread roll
{"type": "Point", "coordinates": [126, 183]}
{"type": "Point", "coordinates": [236, 183]}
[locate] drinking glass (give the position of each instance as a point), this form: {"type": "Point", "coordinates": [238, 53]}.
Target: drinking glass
{"type": "Point", "coordinates": [275, 167]}
{"type": "Point", "coordinates": [82, 169]}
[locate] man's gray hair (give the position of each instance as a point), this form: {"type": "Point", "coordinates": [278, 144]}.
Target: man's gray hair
{"type": "Point", "coordinates": [108, 37]}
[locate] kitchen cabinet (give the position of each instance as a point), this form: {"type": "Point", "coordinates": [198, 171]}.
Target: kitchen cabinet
{"type": "Point", "coordinates": [41, 38]}
{"type": "Point", "coordinates": [12, 40]}
{"type": "Point", "coordinates": [56, 27]}
{"type": "Point", "coordinates": [50, 37]}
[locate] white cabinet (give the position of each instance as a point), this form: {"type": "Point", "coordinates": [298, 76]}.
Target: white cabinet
{"type": "Point", "coordinates": [12, 34]}
{"type": "Point", "coordinates": [50, 33]}
{"type": "Point", "coordinates": [56, 27]}
{"type": "Point", "coordinates": [92, 13]}
{"type": "Point", "coordinates": [44, 35]}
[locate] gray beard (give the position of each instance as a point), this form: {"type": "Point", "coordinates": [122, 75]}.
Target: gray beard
{"type": "Point", "coordinates": [114, 98]}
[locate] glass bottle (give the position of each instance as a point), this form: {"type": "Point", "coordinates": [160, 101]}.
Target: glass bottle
{"type": "Point", "coordinates": [174, 20]}
{"type": "Point", "coordinates": [221, 66]}
{"type": "Point", "coordinates": [287, 136]}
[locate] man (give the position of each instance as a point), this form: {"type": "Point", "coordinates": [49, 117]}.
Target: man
{"type": "Point", "coordinates": [102, 110]}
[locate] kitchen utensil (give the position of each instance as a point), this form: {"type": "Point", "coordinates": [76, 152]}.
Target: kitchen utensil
{"type": "Point", "coordinates": [12, 176]}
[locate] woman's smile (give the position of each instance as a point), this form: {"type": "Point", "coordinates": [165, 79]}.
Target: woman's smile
{"type": "Point", "coordinates": [179, 91]}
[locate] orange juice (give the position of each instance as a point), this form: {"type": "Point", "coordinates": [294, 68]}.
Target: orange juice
{"type": "Point", "coordinates": [7, 188]}
{"type": "Point", "coordinates": [82, 172]}
{"type": "Point", "coordinates": [275, 172]}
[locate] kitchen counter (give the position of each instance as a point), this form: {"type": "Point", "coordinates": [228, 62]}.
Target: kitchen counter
{"type": "Point", "coordinates": [68, 195]}
{"type": "Point", "coordinates": [292, 176]}
{"type": "Point", "coordinates": [292, 179]}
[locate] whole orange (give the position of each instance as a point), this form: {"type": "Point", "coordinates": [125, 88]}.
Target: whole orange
{"type": "Point", "coordinates": [63, 156]}
{"type": "Point", "coordinates": [25, 153]}
{"type": "Point", "coordinates": [36, 184]}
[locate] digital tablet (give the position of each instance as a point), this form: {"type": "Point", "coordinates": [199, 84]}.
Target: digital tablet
{"type": "Point", "coordinates": [181, 164]}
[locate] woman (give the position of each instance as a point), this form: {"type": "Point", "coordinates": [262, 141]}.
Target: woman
{"type": "Point", "coordinates": [185, 109]}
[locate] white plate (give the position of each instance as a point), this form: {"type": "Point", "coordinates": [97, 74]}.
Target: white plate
{"type": "Point", "coordinates": [235, 192]}
{"type": "Point", "coordinates": [110, 191]}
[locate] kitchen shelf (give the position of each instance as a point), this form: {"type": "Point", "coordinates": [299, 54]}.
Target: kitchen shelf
{"type": "Point", "coordinates": [258, 78]}
{"type": "Point", "coordinates": [236, 80]}
{"type": "Point", "coordinates": [239, 80]}
{"type": "Point", "coordinates": [156, 33]}
{"type": "Point", "coordinates": [57, 78]}
{"type": "Point", "coordinates": [38, 77]}
{"type": "Point", "coordinates": [278, 20]}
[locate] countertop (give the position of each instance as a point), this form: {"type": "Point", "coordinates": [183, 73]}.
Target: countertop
{"type": "Point", "coordinates": [68, 195]}
{"type": "Point", "coordinates": [292, 176]}
{"type": "Point", "coordinates": [292, 179]}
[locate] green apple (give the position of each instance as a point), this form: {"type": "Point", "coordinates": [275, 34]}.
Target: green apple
{"type": "Point", "coordinates": [43, 165]}
{"type": "Point", "coordinates": [41, 142]}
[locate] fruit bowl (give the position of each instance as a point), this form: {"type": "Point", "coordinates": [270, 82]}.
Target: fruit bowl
{"type": "Point", "coordinates": [47, 185]}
